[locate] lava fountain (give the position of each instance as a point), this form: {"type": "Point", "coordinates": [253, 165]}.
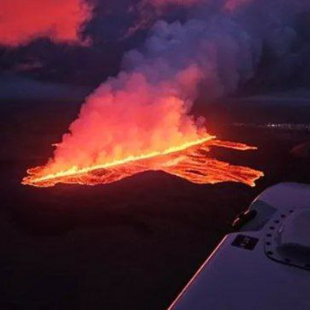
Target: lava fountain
{"type": "Point", "coordinates": [189, 161]}
{"type": "Point", "coordinates": [140, 120]}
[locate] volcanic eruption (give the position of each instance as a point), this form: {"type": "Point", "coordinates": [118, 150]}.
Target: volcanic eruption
{"type": "Point", "coordinates": [140, 120]}
{"type": "Point", "coordinates": [189, 161]}
{"type": "Point", "coordinates": [129, 126]}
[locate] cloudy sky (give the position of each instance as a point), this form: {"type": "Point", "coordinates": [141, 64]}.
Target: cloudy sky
{"type": "Point", "coordinates": [80, 43]}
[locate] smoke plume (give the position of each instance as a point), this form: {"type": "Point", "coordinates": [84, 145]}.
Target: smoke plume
{"type": "Point", "coordinates": [24, 21]}
{"type": "Point", "coordinates": [147, 106]}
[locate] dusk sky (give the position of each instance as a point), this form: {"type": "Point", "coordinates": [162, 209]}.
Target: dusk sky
{"type": "Point", "coordinates": [134, 133]}
{"type": "Point", "coordinates": [81, 43]}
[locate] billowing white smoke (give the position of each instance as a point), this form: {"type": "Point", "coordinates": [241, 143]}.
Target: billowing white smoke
{"type": "Point", "coordinates": [146, 107]}
{"type": "Point", "coordinates": [220, 48]}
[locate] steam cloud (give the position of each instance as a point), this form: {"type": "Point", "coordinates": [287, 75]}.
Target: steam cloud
{"type": "Point", "coordinates": [24, 21]}
{"type": "Point", "coordinates": [146, 107]}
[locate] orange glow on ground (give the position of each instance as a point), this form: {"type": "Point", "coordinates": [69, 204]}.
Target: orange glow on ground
{"type": "Point", "coordinates": [189, 161]}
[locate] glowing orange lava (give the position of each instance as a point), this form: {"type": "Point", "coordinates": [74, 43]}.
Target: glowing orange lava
{"type": "Point", "coordinates": [189, 161]}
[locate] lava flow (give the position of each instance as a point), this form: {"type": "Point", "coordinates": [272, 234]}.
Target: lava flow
{"type": "Point", "coordinates": [189, 161]}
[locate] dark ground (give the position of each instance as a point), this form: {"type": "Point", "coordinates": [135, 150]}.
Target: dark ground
{"type": "Point", "coordinates": [133, 244]}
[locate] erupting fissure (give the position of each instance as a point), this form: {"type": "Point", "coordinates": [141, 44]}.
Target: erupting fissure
{"type": "Point", "coordinates": [140, 120]}
{"type": "Point", "coordinates": [188, 161]}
